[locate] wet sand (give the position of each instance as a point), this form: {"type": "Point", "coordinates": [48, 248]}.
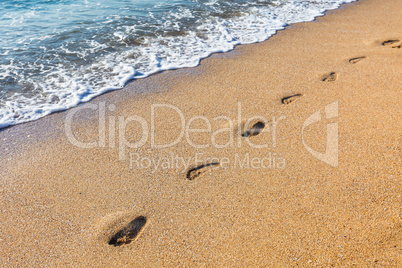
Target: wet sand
{"type": "Point", "coordinates": [312, 179]}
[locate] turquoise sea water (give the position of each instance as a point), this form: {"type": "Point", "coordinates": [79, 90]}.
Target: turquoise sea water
{"type": "Point", "coordinates": [55, 54]}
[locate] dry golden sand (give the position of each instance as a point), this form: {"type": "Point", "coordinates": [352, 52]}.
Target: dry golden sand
{"type": "Point", "coordinates": [63, 205]}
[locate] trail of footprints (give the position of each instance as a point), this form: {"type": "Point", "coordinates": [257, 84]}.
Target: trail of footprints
{"type": "Point", "coordinates": [333, 76]}
{"type": "Point", "coordinates": [130, 232]}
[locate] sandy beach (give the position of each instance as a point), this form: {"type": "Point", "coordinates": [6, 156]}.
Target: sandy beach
{"type": "Point", "coordinates": [277, 154]}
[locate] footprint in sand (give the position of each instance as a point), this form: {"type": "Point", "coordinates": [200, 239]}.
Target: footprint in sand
{"type": "Point", "coordinates": [356, 60]}
{"type": "Point", "coordinates": [254, 130]}
{"type": "Point", "coordinates": [331, 77]}
{"type": "Point", "coordinates": [394, 43]}
{"type": "Point", "coordinates": [129, 233]}
{"type": "Point", "coordinates": [196, 172]}
{"type": "Point", "coordinates": [290, 99]}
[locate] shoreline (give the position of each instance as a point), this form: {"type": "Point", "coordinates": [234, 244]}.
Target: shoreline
{"type": "Point", "coordinates": [64, 204]}
{"type": "Point", "coordinates": [44, 125]}
{"type": "Point", "coordinates": [20, 113]}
